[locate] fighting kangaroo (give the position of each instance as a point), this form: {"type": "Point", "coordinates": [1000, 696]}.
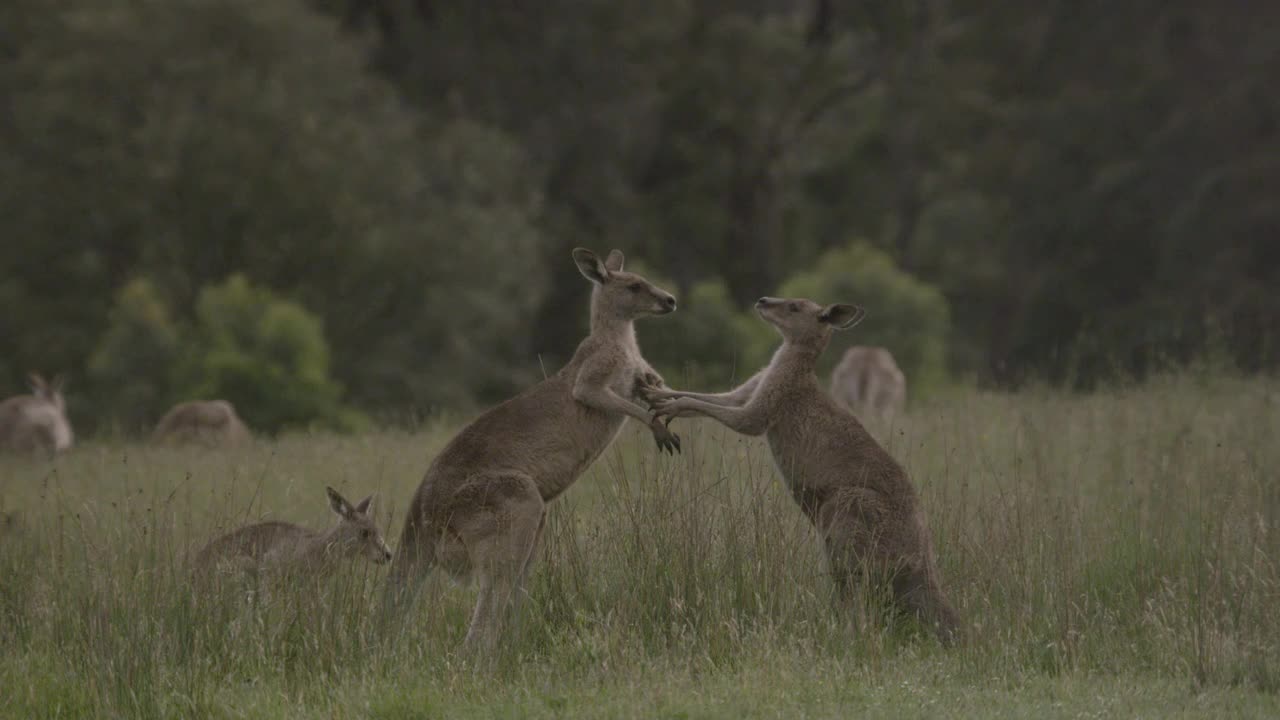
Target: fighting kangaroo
{"type": "Point", "coordinates": [853, 491]}
{"type": "Point", "coordinates": [480, 508]}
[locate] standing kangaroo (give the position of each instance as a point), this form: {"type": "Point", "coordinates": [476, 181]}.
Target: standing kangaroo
{"type": "Point", "coordinates": [282, 546]}
{"type": "Point", "coordinates": [853, 491]}
{"type": "Point", "coordinates": [481, 506]}
{"type": "Point", "coordinates": [213, 423]}
{"type": "Point", "coordinates": [869, 384]}
{"type": "Point", "coordinates": [37, 421]}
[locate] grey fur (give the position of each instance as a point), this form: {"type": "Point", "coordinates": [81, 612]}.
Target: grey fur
{"type": "Point", "coordinates": [36, 422]}
{"type": "Point", "coordinates": [480, 508]}
{"type": "Point", "coordinates": [869, 384]}
{"type": "Point", "coordinates": [282, 546]}
{"type": "Point", "coordinates": [212, 422]}
{"type": "Point", "coordinates": [859, 498]}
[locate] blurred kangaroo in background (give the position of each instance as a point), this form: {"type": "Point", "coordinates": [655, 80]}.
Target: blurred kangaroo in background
{"type": "Point", "coordinates": [213, 423]}
{"type": "Point", "coordinates": [853, 491]}
{"type": "Point", "coordinates": [37, 421]}
{"type": "Point", "coordinates": [481, 506]}
{"type": "Point", "coordinates": [869, 384]}
{"type": "Point", "coordinates": [282, 546]}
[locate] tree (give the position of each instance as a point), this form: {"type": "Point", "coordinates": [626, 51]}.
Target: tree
{"type": "Point", "coordinates": [266, 355]}
{"type": "Point", "coordinates": [904, 314]}
{"type": "Point", "coordinates": [132, 366]}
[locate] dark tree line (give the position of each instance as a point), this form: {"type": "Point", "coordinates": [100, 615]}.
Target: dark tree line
{"type": "Point", "coordinates": [1090, 187]}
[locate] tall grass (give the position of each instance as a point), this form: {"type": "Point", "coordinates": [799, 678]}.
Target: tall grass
{"type": "Point", "coordinates": [1131, 533]}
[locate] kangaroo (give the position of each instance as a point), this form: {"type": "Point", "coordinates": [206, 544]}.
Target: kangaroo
{"type": "Point", "coordinates": [38, 421]}
{"type": "Point", "coordinates": [868, 383]}
{"type": "Point", "coordinates": [481, 506]}
{"type": "Point", "coordinates": [282, 546]}
{"type": "Point", "coordinates": [851, 489]}
{"type": "Point", "coordinates": [213, 423]}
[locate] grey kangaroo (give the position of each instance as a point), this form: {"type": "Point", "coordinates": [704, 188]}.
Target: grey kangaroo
{"type": "Point", "coordinates": [853, 491]}
{"type": "Point", "coordinates": [480, 508]}
{"type": "Point", "coordinates": [213, 423]}
{"type": "Point", "coordinates": [37, 421]}
{"type": "Point", "coordinates": [284, 547]}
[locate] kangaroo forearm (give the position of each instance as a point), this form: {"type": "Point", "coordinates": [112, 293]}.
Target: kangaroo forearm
{"type": "Point", "coordinates": [603, 398]}
{"type": "Point", "coordinates": [736, 397]}
{"type": "Point", "coordinates": [725, 399]}
{"type": "Point", "coordinates": [747, 420]}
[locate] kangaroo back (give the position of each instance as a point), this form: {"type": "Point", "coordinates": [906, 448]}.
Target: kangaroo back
{"type": "Point", "coordinates": [213, 423]}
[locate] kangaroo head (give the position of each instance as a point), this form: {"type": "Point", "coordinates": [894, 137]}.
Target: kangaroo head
{"type": "Point", "coordinates": [805, 322]}
{"type": "Point", "coordinates": [356, 534]}
{"type": "Point", "coordinates": [618, 293]}
{"type": "Point", "coordinates": [49, 392]}
{"type": "Point", "coordinates": [54, 411]}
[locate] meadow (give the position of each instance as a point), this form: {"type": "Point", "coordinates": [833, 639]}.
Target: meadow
{"type": "Point", "coordinates": [1111, 554]}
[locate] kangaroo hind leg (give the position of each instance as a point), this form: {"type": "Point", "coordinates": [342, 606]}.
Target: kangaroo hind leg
{"type": "Point", "coordinates": [499, 530]}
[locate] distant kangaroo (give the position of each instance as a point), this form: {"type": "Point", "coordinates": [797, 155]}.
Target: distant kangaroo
{"type": "Point", "coordinates": [482, 504]}
{"type": "Point", "coordinates": [854, 492]}
{"type": "Point", "coordinates": [282, 546]}
{"type": "Point", "coordinates": [37, 421]}
{"type": "Point", "coordinates": [869, 384]}
{"type": "Point", "coordinates": [213, 423]}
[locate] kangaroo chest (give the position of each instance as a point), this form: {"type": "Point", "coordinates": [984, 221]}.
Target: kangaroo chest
{"type": "Point", "coordinates": [797, 450]}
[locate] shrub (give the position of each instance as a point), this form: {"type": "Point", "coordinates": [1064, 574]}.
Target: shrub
{"type": "Point", "coordinates": [131, 365]}
{"type": "Point", "coordinates": [705, 343]}
{"type": "Point", "coordinates": [267, 356]}
{"type": "Point", "coordinates": [904, 314]}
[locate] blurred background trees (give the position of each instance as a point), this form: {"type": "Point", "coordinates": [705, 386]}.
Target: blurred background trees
{"type": "Point", "coordinates": [1014, 190]}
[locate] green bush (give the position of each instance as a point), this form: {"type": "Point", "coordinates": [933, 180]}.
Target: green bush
{"type": "Point", "coordinates": [267, 356]}
{"type": "Point", "coordinates": [131, 365]}
{"type": "Point", "coordinates": [904, 314]}
{"type": "Point", "coordinates": [705, 343]}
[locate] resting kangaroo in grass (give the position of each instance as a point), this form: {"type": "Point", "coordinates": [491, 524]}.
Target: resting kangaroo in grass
{"type": "Point", "coordinates": [212, 422]}
{"type": "Point", "coordinates": [481, 506]}
{"type": "Point", "coordinates": [857, 496]}
{"type": "Point", "coordinates": [282, 546]}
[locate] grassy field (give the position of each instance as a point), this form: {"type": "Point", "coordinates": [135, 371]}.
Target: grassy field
{"type": "Point", "coordinates": [1112, 555]}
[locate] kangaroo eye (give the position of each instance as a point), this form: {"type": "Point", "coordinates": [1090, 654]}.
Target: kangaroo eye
{"type": "Point", "coordinates": [635, 287]}
{"type": "Point", "coordinates": [795, 307]}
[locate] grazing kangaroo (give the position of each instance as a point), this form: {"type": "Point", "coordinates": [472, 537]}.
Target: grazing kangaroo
{"type": "Point", "coordinates": [481, 506]}
{"type": "Point", "coordinates": [282, 546]}
{"type": "Point", "coordinates": [869, 384]}
{"type": "Point", "coordinates": [853, 491]}
{"type": "Point", "coordinates": [213, 423]}
{"type": "Point", "coordinates": [37, 421]}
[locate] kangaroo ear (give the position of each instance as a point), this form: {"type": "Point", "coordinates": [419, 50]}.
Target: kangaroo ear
{"type": "Point", "coordinates": [615, 260]}
{"type": "Point", "coordinates": [590, 266]}
{"type": "Point", "coordinates": [339, 504]}
{"type": "Point", "coordinates": [59, 382]}
{"type": "Point", "coordinates": [363, 506]}
{"type": "Point", "coordinates": [841, 316]}
{"type": "Point", "coordinates": [38, 385]}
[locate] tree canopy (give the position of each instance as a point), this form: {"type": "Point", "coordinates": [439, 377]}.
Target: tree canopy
{"type": "Point", "coordinates": [1042, 190]}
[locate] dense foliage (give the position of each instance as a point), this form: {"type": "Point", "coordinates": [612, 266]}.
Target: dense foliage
{"type": "Point", "coordinates": [1087, 188]}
